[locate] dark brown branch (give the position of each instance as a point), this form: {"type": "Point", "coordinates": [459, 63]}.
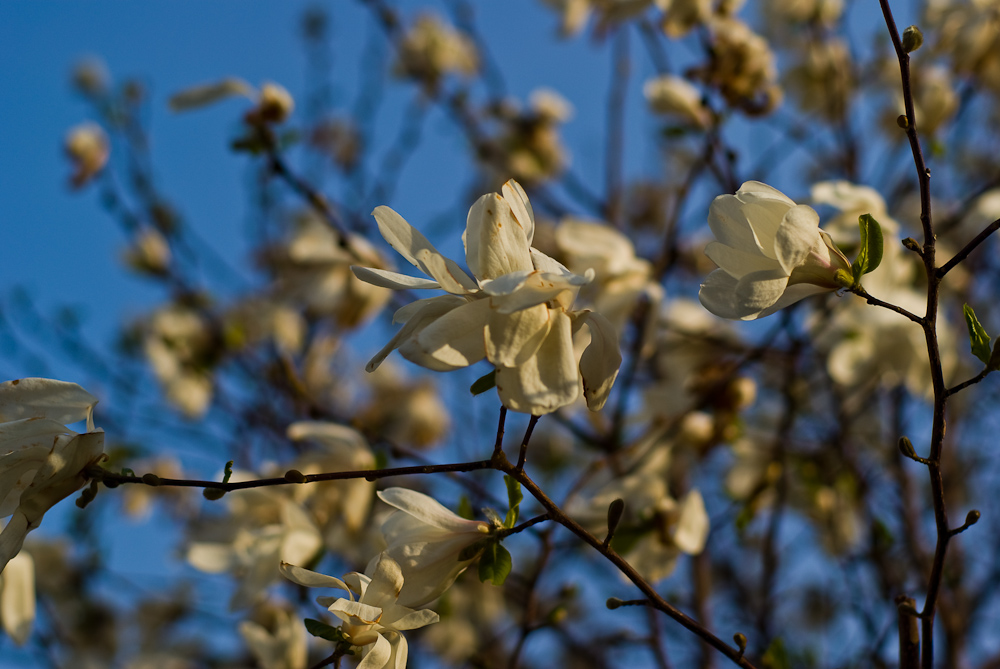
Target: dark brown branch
{"type": "Point", "coordinates": [969, 248]}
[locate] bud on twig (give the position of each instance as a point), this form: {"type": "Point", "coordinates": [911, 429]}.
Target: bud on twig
{"type": "Point", "coordinates": [613, 603]}
{"type": "Point", "coordinates": [213, 494]}
{"type": "Point", "coordinates": [906, 448]}
{"type": "Point", "coordinates": [741, 643]}
{"type": "Point", "coordinates": [913, 39]}
{"type": "Point", "coordinates": [615, 511]}
{"type": "Point", "coordinates": [151, 479]}
{"type": "Point", "coordinates": [972, 518]}
{"type": "Point", "coordinates": [295, 476]}
{"type": "Point", "coordinates": [902, 121]}
{"type": "Point", "coordinates": [912, 244]}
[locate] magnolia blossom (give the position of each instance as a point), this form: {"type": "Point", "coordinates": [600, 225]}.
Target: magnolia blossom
{"type": "Point", "coordinates": [770, 252]}
{"type": "Point", "coordinates": [88, 149]}
{"type": "Point", "coordinates": [41, 460]}
{"type": "Point", "coordinates": [17, 597]}
{"type": "Point", "coordinates": [425, 539]}
{"type": "Point", "coordinates": [374, 621]}
{"type": "Point", "coordinates": [276, 638]}
{"type": "Point", "coordinates": [515, 312]}
{"type": "Point", "coordinates": [264, 528]}
{"type": "Point", "coordinates": [273, 103]}
{"type": "Point", "coordinates": [655, 528]}
{"type": "Point", "coordinates": [676, 96]}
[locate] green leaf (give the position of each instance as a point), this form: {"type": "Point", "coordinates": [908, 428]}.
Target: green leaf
{"type": "Point", "coordinates": [228, 473]}
{"type": "Point", "coordinates": [494, 564]}
{"type": "Point", "coordinates": [127, 472]}
{"type": "Point", "coordinates": [870, 251]}
{"type": "Point", "coordinates": [514, 497]}
{"type": "Point", "coordinates": [978, 339]}
{"type": "Point", "coordinates": [484, 383]}
{"type": "Point", "coordinates": [465, 508]}
{"type": "Point", "coordinates": [324, 631]}
{"type": "Point", "coordinates": [776, 657]}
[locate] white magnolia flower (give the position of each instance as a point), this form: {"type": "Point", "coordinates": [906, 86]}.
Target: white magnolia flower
{"type": "Point", "coordinates": [17, 598]}
{"type": "Point", "coordinates": [88, 148]}
{"type": "Point", "coordinates": [770, 252]}
{"type": "Point", "coordinates": [425, 539]}
{"type": "Point", "coordinates": [515, 312]}
{"type": "Point", "coordinates": [374, 621]}
{"type": "Point", "coordinates": [265, 527]}
{"type": "Point", "coordinates": [655, 528]}
{"type": "Point", "coordinates": [41, 460]}
{"type": "Point", "coordinates": [276, 638]}
{"type": "Point", "coordinates": [677, 97]}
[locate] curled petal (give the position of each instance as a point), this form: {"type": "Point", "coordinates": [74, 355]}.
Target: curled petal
{"type": "Point", "coordinates": [456, 339]}
{"type": "Point", "coordinates": [427, 509]}
{"type": "Point", "coordinates": [44, 398]}
{"type": "Point", "coordinates": [310, 579]}
{"type": "Point", "coordinates": [548, 380]}
{"type": "Point", "coordinates": [412, 245]}
{"type": "Point", "coordinates": [513, 338]}
{"type": "Point", "coordinates": [428, 312]}
{"type": "Point", "coordinates": [600, 361]}
{"type": "Point", "coordinates": [394, 280]}
{"type": "Point", "coordinates": [495, 242]}
{"type": "Point", "coordinates": [519, 204]}
{"type": "Point", "coordinates": [379, 655]}
{"type": "Point", "coordinates": [796, 236]}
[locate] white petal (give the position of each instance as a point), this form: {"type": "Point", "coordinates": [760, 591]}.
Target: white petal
{"type": "Point", "coordinates": [337, 438]}
{"type": "Point", "coordinates": [729, 224]}
{"type": "Point", "coordinates": [415, 620]}
{"type": "Point", "coordinates": [17, 598]}
{"type": "Point", "coordinates": [759, 290]}
{"type": "Point", "coordinates": [350, 609]}
{"type": "Point", "coordinates": [428, 312]}
{"type": "Point", "coordinates": [756, 191]}
{"type": "Point", "coordinates": [792, 295]}
{"type": "Point", "coordinates": [378, 655]}
{"type": "Point", "coordinates": [456, 339]}
{"type": "Point", "coordinates": [692, 525]}
{"type": "Point", "coordinates": [44, 398]}
{"type": "Point", "coordinates": [513, 338]}
{"type": "Point", "coordinates": [394, 280]}
{"type": "Point", "coordinates": [206, 94]}
{"type": "Point", "coordinates": [400, 652]}
{"type": "Point", "coordinates": [412, 245]}
{"type": "Point", "coordinates": [310, 579]}
{"type": "Point", "coordinates": [496, 244]}
{"type": "Point", "coordinates": [737, 261]}
{"type": "Point", "coordinates": [211, 557]}
{"type": "Point", "coordinates": [718, 295]}
{"type": "Point", "coordinates": [600, 361]}
{"type": "Point", "coordinates": [796, 236]}
{"type": "Point", "coordinates": [548, 380]}
{"type": "Point", "coordinates": [519, 204]}
{"type": "Point", "coordinates": [427, 509]}
{"type": "Point", "coordinates": [12, 538]}
{"type": "Point", "coordinates": [386, 583]}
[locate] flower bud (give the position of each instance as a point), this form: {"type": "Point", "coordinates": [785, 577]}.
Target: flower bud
{"type": "Point", "coordinates": [151, 479]}
{"type": "Point", "coordinates": [913, 39]}
{"type": "Point", "coordinates": [613, 603]}
{"type": "Point", "coordinates": [275, 104]}
{"type": "Point", "coordinates": [972, 518]}
{"type": "Point", "coordinates": [213, 494]}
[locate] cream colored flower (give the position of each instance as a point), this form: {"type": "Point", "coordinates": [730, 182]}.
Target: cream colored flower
{"type": "Point", "coordinates": [17, 597]}
{"type": "Point", "coordinates": [770, 252]}
{"type": "Point", "coordinates": [677, 97]}
{"type": "Point", "coordinates": [431, 49]}
{"type": "Point", "coordinates": [375, 621]}
{"type": "Point", "coordinates": [515, 313]}
{"type": "Point", "coordinates": [276, 638]}
{"type": "Point", "coordinates": [88, 148]}
{"type": "Point", "coordinates": [41, 460]}
{"type": "Point", "coordinates": [426, 539]}
{"type": "Point", "coordinates": [273, 103]}
{"type": "Point", "coordinates": [655, 528]}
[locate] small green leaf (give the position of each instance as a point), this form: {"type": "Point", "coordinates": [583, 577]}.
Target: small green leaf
{"type": "Point", "coordinates": [228, 473]}
{"type": "Point", "coordinates": [776, 656]}
{"type": "Point", "coordinates": [494, 564]}
{"type": "Point", "coordinates": [127, 472]}
{"type": "Point", "coordinates": [484, 383]}
{"type": "Point", "coordinates": [514, 497]}
{"type": "Point", "coordinates": [324, 631]}
{"type": "Point", "coordinates": [978, 339]}
{"type": "Point", "coordinates": [870, 251]}
{"type": "Point", "coordinates": [465, 508]}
